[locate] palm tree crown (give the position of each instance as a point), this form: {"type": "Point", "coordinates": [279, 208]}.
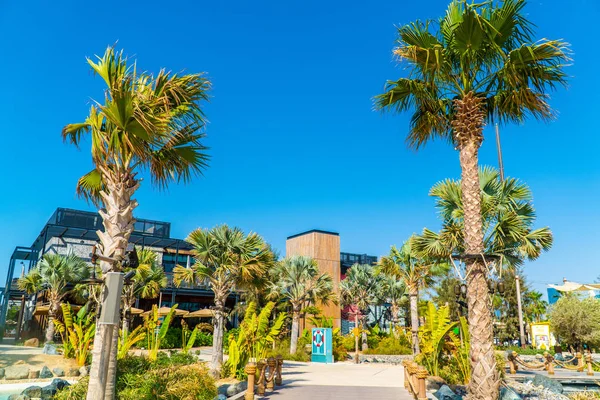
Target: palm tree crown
{"type": "Point", "coordinates": [483, 50]}
{"type": "Point", "coordinates": [508, 216]}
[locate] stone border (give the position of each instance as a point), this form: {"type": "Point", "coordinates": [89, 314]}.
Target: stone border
{"type": "Point", "coordinates": [384, 358]}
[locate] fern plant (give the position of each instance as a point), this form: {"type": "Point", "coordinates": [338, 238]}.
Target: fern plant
{"type": "Point", "coordinates": [128, 339]}
{"type": "Point", "coordinates": [156, 330]}
{"type": "Point", "coordinates": [77, 333]}
{"type": "Point", "coordinates": [255, 335]}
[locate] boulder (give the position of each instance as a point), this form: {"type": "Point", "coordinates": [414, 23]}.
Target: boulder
{"type": "Point", "coordinates": [1, 373]}
{"type": "Point", "coordinates": [59, 383]}
{"type": "Point", "coordinates": [50, 349]}
{"type": "Point", "coordinates": [548, 383]}
{"type": "Point", "coordinates": [73, 372]}
{"type": "Point", "coordinates": [48, 392]}
{"type": "Point", "coordinates": [445, 393]}
{"type": "Point", "coordinates": [434, 383]}
{"type": "Point", "coordinates": [84, 371]}
{"type": "Point", "coordinates": [46, 373]}
{"type": "Point", "coordinates": [58, 371]}
{"type": "Point", "coordinates": [507, 393]}
{"type": "Point", "coordinates": [34, 374]}
{"type": "Point", "coordinates": [221, 397]}
{"type": "Point", "coordinates": [33, 391]}
{"type": "Point", "coordinates": [18, 397]}
{"type": "Point", "coordinates": [236, 388]}
{"type": "Point", "coordinates": [16, 372]}
{"type": "Point", "coordinates": [222, 389]}
{"type": "Point", "coordinates": [19, 362]}
{"type": "Point", "coordinates": [33, 342]}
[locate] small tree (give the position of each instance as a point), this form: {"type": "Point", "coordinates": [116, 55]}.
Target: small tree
{"type": "Point", "coordinates": [298, 280]}
{"type": "Point", "coordinates": [575, 321]}
{"type": "Point", "coordinates": [55, 274]}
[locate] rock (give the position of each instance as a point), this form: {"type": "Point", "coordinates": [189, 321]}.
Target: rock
{"type": "Point", "coordinates": [58, 371]}
{"type": "Point", "coordinates": [50, 349]}
{"type": "Point", "coordinates": [16, 372]}
{"type": "Point", "coordinates": [221, 397]}
{"type": "Point", "coordinates": [33, 391]}
{"type": "Point", "coordinates": [236, 388]}
{"type": "Point", "coordinates": [18, 397]}
{"type": "Point", "coordinates": [1, 373]}
{"type": "Point", "coordinates": [33, 342]}
{"type": "Point", "coordinates": [445, 393]}
{"type": "Point", "coordinates": [34, 374]}
{"type": "Point", "coordinates": [46, 373]}
{"type": "Point", "coordinates": [507, 393]}
{"type": "Point", "coordinates": [59, 383]}
{"type": "Point", "coordinates": [73, 372]}
{"type": "Point", "coordinates": [559, 357]}
{"type": "Point", "coordinates": [84, 371]}
{"type": "Point", "coordinates": [48, 392]}
{"type": "Point", "coordinates": [19, 362]}
{"type": "Point", "coordinates": [548, 383]}
{"type": "Point", "coordinates": [434, 383]}
{"type": "Point", "coordinates": [222, 389]}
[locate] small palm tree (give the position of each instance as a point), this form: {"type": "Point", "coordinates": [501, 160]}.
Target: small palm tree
{"type": "Point", "coordinates": [228, 259]}
{"type": "Point", "coordinates": [478, 64]}
{"type": "Point", "coordinates": [147, 282]}
{"type": "Point", "coordinates": [146, 122]}
{"type": "Point", "coordinates": [417, 272]}
{"type": "Point", "coordinates": [56, 275]}
{"type": "Point", "coordinates": [394, 293]}
{"type": "Point", "coordinates": [535, 307]}
{"type": "Point", "coordinates": [297, 280]}
{"type": "Point", "coordinates": [359, 289]}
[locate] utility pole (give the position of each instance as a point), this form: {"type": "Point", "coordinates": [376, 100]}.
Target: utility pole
{"type": "Point", "coordinates": [499, 147]}
{"type": "Point", "coordinates": [521, 328]}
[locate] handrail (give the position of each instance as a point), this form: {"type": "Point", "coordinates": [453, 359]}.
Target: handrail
{"type": "Point", "coordinates": [414, 379]}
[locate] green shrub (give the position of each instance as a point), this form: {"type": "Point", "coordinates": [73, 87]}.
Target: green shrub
{"type": "Point", "coordinates": [501, 365]}
{"type": "Point", "coordinates": [168, 378]}
{"type": "Point", "coordinates": [372, 341]}
{"type": "Point", "coordinates": [282, 349]}
{"type": "Point", "coordinates": [390, 346]}
{"type": "Point", "coordinates": [528, 351]}
{"type": "Point", "coordinates": [348, 342]}
{"type": "Point", "coordinates": [203, 339]}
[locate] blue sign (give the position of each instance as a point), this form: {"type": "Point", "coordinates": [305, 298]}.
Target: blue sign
{"type": "Point", "coordinates": [322, 346]}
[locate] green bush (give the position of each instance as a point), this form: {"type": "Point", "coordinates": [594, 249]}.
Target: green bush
{"type": "Point", "coordinates": [348, 342]}
{"type": "Point", "coordinates": [528, 351]}
{"type": "Point", "coordinates": [168, 378]}
{"type": "Point", "coordinates": [282, 349]}
{"type": "Point", "coordinates": [372, 341]}
{"type": "Point", "coordinates": [203, 339]}
{"type": "Point", "coordinates": [390, 346]}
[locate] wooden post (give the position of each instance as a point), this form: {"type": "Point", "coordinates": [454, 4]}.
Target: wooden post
{"type": "Point", "coordinates": [421, 388]}
{"type": "Point", "coordinates": [579, 362]}
{"type": "Point", "coordinates": [412, 370]}
{"type": "Point", "coordinates": [271, 380]}
{"type": "Point", "coordinates": [549, 363]}
{"type": "Point", "coordinates": [512, 364]}
{"type": "Point", "coordinates": [590, 368]}
{"type": "Point", "coordinates": [250, 370]}
{"type": "Point", "coordinates": [260, 388]}
{"type": "Point", "coordinates": [278, 379]}
{"type": "Point", "coordinates": [406, 377]}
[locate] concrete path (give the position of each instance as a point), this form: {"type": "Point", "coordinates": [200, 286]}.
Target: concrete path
{"type": "Point", "coordinates": [346, 381]}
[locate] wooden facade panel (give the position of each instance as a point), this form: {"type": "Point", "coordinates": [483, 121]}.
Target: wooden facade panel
{"type": "Point", "coordinates": [325, 249]}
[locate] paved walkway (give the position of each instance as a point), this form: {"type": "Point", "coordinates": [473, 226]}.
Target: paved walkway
{"type": "Point", "coordinates": [308, 381]}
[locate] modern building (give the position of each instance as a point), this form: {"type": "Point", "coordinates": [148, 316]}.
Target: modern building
{"type": "Point", "coordinates": [324, 247]}
{"type": "Point", "coordinates": [74, 231]}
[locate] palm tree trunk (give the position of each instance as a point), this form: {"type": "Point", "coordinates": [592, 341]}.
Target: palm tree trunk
{"type": "Point", "coordinates": [468, 129]}
{"type": "Point", "coordinates": [52, 311]}
{"type": "Point", "coordinates": [217, 346]}
{"type": "Point", "coordinates": [414, 320]}
{"type": "Point", "coordinates": [295, 329]}
{"type": "Point", "coordinates": [117, 218]}
{"type": "Point", "coordinates": [364, 344]}
{"type": "Point", "coordinates": [356, 336]}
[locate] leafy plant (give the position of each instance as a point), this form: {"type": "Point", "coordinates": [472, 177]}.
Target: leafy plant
{"type": "Point", "coordinates": [187, 339]}
{"type": "Point", "coordinates": [392, 346]}
{"type": "Point", "coordinates": [254, 336]}
{"type": "Point", "coordinates": [157, 330]}
{"type": "Point", "coordinates": [432, 337]}
{"type": "Point", "coordinates": [77, 333]}
{"type": "Point", "coordinates": [129, 339]}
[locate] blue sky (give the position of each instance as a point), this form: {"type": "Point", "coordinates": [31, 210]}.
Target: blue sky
{"type": "Point", "coordinates": [294, 142]}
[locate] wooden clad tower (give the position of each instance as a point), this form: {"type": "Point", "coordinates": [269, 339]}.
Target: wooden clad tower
{"type": "Point", "coordinates": [324, 247]}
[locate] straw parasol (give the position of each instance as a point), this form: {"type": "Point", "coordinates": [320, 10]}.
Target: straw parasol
{"type": "Point", "coordinates": [135, 311]}
{"type": "Point", "coordinates": [204, 313]}
{"type": "Point", "coordinates": [163, 311]}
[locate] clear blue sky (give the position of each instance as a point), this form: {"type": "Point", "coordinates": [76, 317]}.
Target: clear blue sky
{"type": "Point", "coordinates": [294, 142]}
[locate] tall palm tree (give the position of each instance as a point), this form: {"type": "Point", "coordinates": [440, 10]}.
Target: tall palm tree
{"type": "Point", "coordinates": [229, 260]}
{"type": "Point", "coordinates": [406, 265]}
{"type": "Point", "coordinates": [297, 280]}
{"type": "Point", "coordinates": [56, 275]}
{"type": "Point", "coordinates": [146, 122]}
{"type": "Point", "coordinates": [359, 289]}
{"type": "Point", "coordinates": [147, 282]}
{"type": "Point", "coordinates": [394, 293]}
{"type": "Point", "coordinates": [479, 63]}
